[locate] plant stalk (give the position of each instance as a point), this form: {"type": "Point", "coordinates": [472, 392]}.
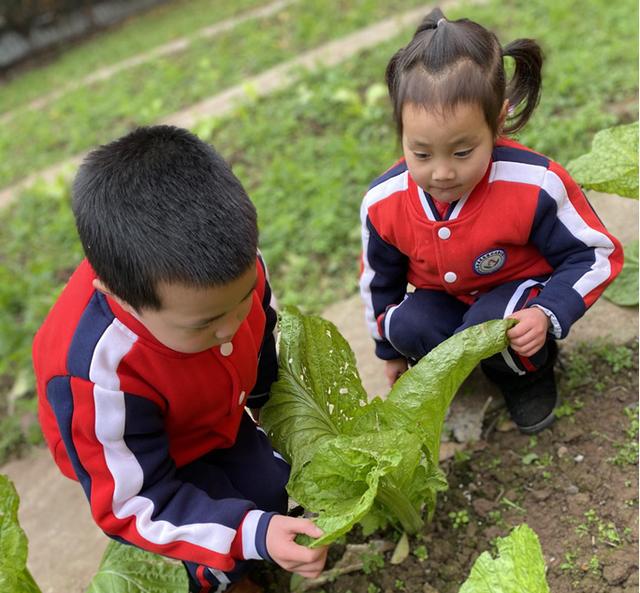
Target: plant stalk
{"type": "Point", "coordinates": [399, 506]}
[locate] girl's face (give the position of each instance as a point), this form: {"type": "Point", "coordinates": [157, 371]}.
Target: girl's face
{"type": "Point", "coordinates": [447, 153]}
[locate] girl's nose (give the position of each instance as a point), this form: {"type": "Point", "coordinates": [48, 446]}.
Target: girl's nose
{"type": "Point", "coordinates": [443, 172]}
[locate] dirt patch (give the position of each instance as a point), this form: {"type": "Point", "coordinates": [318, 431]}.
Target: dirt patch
{"type": "Point", "coordinates": [576, 485]}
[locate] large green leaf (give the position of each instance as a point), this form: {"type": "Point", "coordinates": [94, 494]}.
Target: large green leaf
{"type": "Point", "coordinates": [14, 575]}
{"type": "Point", "coordinates": [343, 479]}
{"type": "Point", "coordinates": [318, 389]}
{"type": "Point", "coordinates": [519, 566]}
{"type": "Point", "coordinates": [126, 569]}
{"type": "Point", "coordinates": [624, 289]}
{"type": "Point", "coordinates": [355, 461]}
{"type": "Point", "coordinates": [612, 164]}
{"type": "Point", "coordinates": [425, 391]}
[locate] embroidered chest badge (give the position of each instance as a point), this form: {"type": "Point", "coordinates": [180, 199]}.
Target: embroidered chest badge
{"type": "Point", "coordinates": [490, 262]}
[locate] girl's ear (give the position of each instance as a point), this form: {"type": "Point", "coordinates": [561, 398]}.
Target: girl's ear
{"type": "Point", "coordinates": [502, 118]}
{"type": "Point", "coordinates": [100, 286]}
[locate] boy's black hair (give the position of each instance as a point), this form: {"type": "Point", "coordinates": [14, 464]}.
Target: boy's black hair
{"type": "Point", "coordinates": [160, 205]}
{"type": "Point", "coordinates": [452, 62]}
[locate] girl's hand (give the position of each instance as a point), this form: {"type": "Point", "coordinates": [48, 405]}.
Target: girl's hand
{"type": "Point", "coordinates": [394, 368]}
{"type": "Point", "coordinates": [281, 533]}
{"type": "Point", "coordinates": [530, 334]}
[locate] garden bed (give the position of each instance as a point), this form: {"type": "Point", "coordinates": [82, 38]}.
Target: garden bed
{"type": "Point", "coordinates": [576, 485]}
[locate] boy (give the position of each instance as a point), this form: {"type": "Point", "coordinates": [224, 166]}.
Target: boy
{"type": "Point", "coordinates": [147, 360]}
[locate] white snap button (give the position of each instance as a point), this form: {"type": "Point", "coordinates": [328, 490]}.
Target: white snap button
{"type": "Point", "coordinates": [241, 398]}
{"type": "Point", "coordinates": [444, 232]}
{"type": "Point", "coordinates": [474, 292]}
{"type": "Point", "coordinates": [226, 348]}
{"type": "Point", "coordinates": [450, 277]}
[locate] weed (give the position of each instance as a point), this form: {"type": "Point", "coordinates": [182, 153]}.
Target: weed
{"type": "Point", "coordinates": [569, 563]}
{"type": "Point", "coordinates": [594, 565]}
{"type": "Point", "coordinates": [399, 585]}
{"type": "Point", "coordinates": [605, 532]}
{"type": "Point", "coordinates": [628, 450]}
{"type": "Point", "coordinates": [567, 408]}
{"type": "Point", "coordinates": [460, 457]}
{"type": "Point", "coordinates": [618, 358]}
{"type": "Point", "coordinates": [371, 588]}
{"type": "Point", "coordinates": [372, 562]}
{"type": "Point", "coordinates": [509, 503]}
{"type": "Point", "coordinates": [459, 518]}
{"type": "Point", "coordinates": [420, 552]}
{"type": "Point", "coordinates": [545, 461]}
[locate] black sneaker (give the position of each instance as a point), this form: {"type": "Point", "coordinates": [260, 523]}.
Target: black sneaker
{"type": "Point", "coordinates": [530, 398]}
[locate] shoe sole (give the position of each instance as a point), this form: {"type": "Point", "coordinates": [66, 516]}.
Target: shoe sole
{"type": "Point", "coordinates": [539, 426]}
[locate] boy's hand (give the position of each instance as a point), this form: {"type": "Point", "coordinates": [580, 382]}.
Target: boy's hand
{"type": "Point", "coordinates": [281, 533]}
{"type": "Point", "coordinates": [530, 334]}
{"type": "Point", "coordinates": [394, 368]}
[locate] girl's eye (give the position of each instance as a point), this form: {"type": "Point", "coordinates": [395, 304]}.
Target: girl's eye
{"type": "Point", "coordinates": [421, 155]}
{"type": "Point", "coordinates": [463, 153]}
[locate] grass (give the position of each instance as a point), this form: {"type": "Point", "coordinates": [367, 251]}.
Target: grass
{"type": "Point", "coordinates": [138, 34]}
{"type": "Point", "coordinates": [93, 114]}
{"type": "Point", "coordinates": [307, 154]}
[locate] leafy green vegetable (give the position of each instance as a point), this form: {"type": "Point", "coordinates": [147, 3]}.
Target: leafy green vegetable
{"type": "Point", "coordinates": [126, 569]}
{"type": "Point", "coordinates": [14, 575]}
{"type": "Point", "coordinates": [624, 289]}
{"type": "Point", "coordinates": [519, 566]}
{"type": "Point", "coordinates": [357, 461]}
{"type": "Point", "coordinates": [612, 164]}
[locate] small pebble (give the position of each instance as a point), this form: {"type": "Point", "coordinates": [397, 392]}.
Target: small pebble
{"type": "Point", "coordinates": [562, 451]}
{"type": "Point", "coordinates": [579, 458]}
{"type": "Point", "coordinates": [572, 489]}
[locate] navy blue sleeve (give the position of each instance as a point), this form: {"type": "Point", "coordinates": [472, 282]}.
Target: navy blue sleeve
{"type": "Point", "coordinates": [574, 242]}
{"type": "Point", "coordinates": [383, 283]}
{"type": "Point", "coordinates": [268, 358]}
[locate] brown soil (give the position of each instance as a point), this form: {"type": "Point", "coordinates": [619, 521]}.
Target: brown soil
{"type": "Point", "coordinates": [563, 483]}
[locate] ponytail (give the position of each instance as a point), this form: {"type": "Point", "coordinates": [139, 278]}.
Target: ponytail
{"type": "Point", "coordinates": [434, 19]}
{"type": "Point", "coordinates": [523, 90]}
{"type": "Point", "coordinates": [451, 62]}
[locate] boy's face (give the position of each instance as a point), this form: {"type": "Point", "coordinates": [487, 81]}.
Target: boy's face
{"type": "Point", "coordinates": [195, 319]}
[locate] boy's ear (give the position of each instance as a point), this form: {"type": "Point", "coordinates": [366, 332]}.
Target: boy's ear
{"type": "Point", "coordinates": [100, 286]}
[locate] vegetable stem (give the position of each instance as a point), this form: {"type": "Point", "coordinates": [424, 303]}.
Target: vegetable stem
{"type": "Point", "coordinates": [399, 505]}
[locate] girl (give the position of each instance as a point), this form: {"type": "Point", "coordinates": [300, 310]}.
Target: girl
{"type": "Point", "coordinates": [481, 226]}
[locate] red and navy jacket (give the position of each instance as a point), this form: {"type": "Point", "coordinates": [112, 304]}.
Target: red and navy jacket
{"type": "Point", "coordinates": [120, 411]}
{"type": "Point", "coordinates": [525, 219]}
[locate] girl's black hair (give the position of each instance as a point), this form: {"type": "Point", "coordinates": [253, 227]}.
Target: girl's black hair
{"type": "Point", "coordinates": [452, 62]}
{"type": "Point", "coordinates": [161, 205]}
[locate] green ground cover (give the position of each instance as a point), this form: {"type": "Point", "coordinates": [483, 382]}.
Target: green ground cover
{"type": "Point", "coordinates": [140, 33]}
{"type": "Point", "coordinates": [91, 115]}
{"type": "Point", "coordinates": [307, 154]}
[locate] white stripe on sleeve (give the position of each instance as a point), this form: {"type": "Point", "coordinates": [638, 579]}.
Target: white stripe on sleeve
{"type": "Point", "coordinates": [127, 474]}
{"type": "Point", "coordinates": [374, 195]}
